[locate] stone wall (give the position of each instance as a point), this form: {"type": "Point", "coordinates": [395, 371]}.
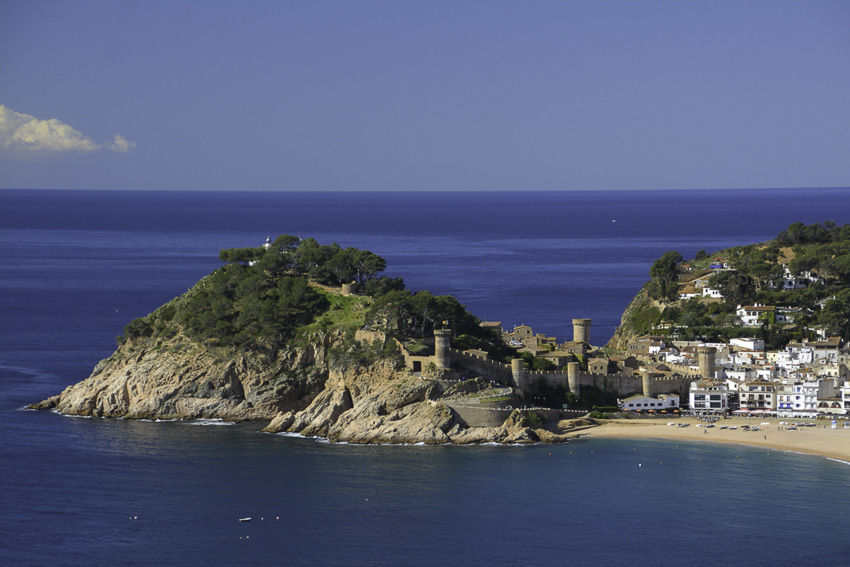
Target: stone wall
{"type": "Point", "coordinates": [621, 384]}
{"type": "Point", "coordinates": [480, 366]}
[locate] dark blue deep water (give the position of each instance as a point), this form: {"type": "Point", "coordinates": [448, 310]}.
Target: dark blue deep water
{"type": "Point", "coordinates": [77, 266]}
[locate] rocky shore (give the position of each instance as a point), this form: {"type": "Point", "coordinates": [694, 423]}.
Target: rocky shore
{"type": "Point", "coordinates": [302, 390]}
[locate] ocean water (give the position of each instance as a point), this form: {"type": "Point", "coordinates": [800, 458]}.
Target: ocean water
{"type": "Point", "coordinates": [78, 265]}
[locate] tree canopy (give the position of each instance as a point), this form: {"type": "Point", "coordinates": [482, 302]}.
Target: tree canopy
{"type": "Point", "coordinates": [665, 277]}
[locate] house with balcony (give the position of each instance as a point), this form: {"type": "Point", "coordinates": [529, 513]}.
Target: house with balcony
{"type": "Point", "coordinates": [757, 395]}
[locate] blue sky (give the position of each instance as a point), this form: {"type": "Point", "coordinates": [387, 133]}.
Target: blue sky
{"type": "Point", "coordinates": [430, 95]}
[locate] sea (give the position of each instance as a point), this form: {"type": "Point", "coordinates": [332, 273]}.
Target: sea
{"type": "Point", "coordinates": [76, 266]}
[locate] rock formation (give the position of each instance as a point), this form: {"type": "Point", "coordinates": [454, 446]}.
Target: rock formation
{"type": "Point", "coordinates": [300, 391]}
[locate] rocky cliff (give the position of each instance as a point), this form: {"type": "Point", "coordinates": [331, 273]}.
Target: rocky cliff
{"type": "Point", "coordinates": [184, 379]}
{"type": "Point", "coordinates": [302, 390]}
{"type": "Point", "coordinates": [626, 332]}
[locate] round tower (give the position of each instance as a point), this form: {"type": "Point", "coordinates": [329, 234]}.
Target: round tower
{"type": "Point", "coordinates": [581, 330]}
{"type": "Point", "coordinates": [706, 356]}
{"type": "Point", "coordinates": [646, 379]}
{"type": "Point", "coordinates": [572, 377]}
{"type": "Point", "coordinates": [442, 342]}
{"type": "Point", "coordinates": [518, 372]}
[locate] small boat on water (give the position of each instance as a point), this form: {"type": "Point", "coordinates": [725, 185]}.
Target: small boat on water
{"type": "Point", "coordinates": [244, 519]}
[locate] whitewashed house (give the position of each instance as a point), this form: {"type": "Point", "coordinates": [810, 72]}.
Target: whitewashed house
{"type": "Point", "coordinates": [712, 293]}
{"type": "Point", "coordinates": [755, 315]}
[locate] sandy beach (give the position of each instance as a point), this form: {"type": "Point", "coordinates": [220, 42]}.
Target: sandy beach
{"type": "Point", "coordinates": [819, 440]}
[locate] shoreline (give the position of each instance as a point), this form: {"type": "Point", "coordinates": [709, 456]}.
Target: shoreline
{"type": "Point", "coordinates": [821, 441]}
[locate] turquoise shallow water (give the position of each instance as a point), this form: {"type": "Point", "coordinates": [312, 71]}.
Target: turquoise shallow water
{"type": "Point", "coordinates": [79, 265]}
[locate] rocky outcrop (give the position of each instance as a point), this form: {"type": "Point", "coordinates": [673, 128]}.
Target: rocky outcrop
{"type": "Point", "coordinates": [180, 379]}
{"type": "Point", "coordinates": [626, 332]}
{"type": "Point", "coordinates": [300, 391]}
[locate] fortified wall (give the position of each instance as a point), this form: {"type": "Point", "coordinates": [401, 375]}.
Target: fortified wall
{"type": "Point", "coordinates": [477, 364]}
{"type": "Point", "coordinates": [620, 384]}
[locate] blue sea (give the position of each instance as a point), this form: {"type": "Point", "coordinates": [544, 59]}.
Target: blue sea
{"type": "Point", "coordinates": [78, 265]}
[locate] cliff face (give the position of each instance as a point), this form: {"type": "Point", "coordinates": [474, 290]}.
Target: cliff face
{"type": "Point", "coordinates": [181, 379]}
{"type": "Point", "coordinates": [625, 333]}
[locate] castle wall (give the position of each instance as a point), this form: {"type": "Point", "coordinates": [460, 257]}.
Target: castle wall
{"type": "Point", "coordinates": [483, 367]}
{"type": "Point", "coordinates": [621, 384]}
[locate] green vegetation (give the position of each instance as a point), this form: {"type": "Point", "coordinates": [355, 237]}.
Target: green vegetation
{"type": "Point", "coordinates": [815, 257]}
{"type": "Point", "coordinates": [263, 298]}
{"type": "Point", "coordinates": [665, 277]}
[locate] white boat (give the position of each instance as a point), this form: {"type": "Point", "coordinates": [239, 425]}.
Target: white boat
{"type": "Point", "coordinates": [244, 519]}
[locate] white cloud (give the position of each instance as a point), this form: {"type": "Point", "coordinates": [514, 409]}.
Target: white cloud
{"type": "Point", "coordinates": [120, 144]}
{"type": "Point", "coordinates": [23, 133]}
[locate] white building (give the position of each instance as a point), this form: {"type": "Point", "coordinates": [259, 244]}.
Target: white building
{"type": "Point", "coordinates": [748, 343]}
{"type": "Point", "coordinates": [709, 395]}
{"type": "Point", "coordinates": [643, 403]}
{"type": "Point", "coordinates": [712, 293]}
{"type": "Point", "coordinates": [755, 315]}
{"type": "Point", "coordinates": [806, 395]}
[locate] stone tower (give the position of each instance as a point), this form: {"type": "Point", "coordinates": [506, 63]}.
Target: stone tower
{"type": "Point", "coordinates": [442, 342]}
{"type": "Point", "coordinates": [646, 382]}
{"type": "Point", "coordinates": [518, 372]}
{"type": "Point", "coordinates": [572, 377]}
{"type": "Point", "coordinates": [706, 356]}
{"type": "Point", "coordinates": [581, 330]}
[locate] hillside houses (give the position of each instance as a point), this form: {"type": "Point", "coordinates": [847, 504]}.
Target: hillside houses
{"type": "Point", "coordinates": [790, 281]}
{"type": "Point", "coordinates": [698, 286]}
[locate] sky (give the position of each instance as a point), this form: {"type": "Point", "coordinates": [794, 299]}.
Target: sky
{"type": "Point", "coordinates": [402, 95]}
